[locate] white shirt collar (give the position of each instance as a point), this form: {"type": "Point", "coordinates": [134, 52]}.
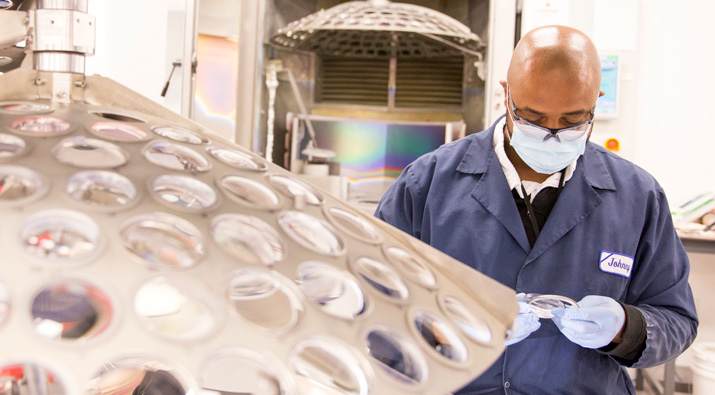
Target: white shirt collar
{"type": "Point", "coordinates": [512, 177]}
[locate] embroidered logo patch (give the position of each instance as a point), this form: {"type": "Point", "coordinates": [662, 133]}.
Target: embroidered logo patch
{"type": "Point", "coordinates": [615, 263]}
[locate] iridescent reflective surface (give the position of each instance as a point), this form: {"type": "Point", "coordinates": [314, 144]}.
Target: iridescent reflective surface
{"type": "Point", "coordinates": [327, 367]}
{"type": "Point", "coordinates": [469, 321]}
{"type": "Point", "coordinates": [163, 240]}
{"type": "Point", "coordinates": [175, 157]}
{"type": "Point", "coordinates": [60, 235]}
{"type": "Point", "coordinates": [262, 298]}
{"type": "Point", "coordinates": [247, 238]}
{"type": "Point", "coordinates": [89, 153]}
{"type": "Point", "coordinates": [180, 134]}
{"type": "Point", "coordinates": [380, 277]}
{"type": "Point", "coordinates": [296, 189]}
{"type": "Point", "coordinates": [71, 310]}
{"type": "Point", "coordinates": [355, 225]}
{"type": "Point", "coordinates": [333, 290]}
{"type": "Point", "coordinates": [249, 193]}
{"type": "Point", "coordinates": [237, 159]}
{"type": "Point", "coordinates": [439, 336]}
{"type": "Point", "coordinates": [174, 309]}
{"type": "Point", "coordinates": [397, 356]}
{"type": "Point", "coordinates": [141, 375]}
{"type": "Point", "coordinates": [120, 132]}
{"type": "Point", "coordinates": [411, 266]}
{"type": "Point", "coordinates": [11, 146]}
{"type": "Point", "coordinates": [18, 183]}
{"type": "Point", "coordinates": [101, 189]}
{"type": "Point", "coordinates": [311, 233]}
{"type": "Point", "coordinates": [242, 371]}
{"type": "Point", "coordinates": [183, 192]}
{"type": "Point", "coordinates": [41, 126]}
{"type": "Point", "coordinates": [27, 377]}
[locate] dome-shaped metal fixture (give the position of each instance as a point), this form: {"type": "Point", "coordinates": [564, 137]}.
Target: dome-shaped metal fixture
{"type": "Point", "coordinates": [379, 28]}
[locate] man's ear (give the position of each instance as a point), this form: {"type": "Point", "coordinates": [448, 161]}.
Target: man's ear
{"type": "Point", "coordinates": [504, 85]}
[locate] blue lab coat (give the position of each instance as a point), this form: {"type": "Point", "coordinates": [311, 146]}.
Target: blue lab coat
{"type": "Point", "coordinates": [457, 199]}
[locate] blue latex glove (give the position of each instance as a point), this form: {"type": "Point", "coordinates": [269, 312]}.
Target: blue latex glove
{"type": "Point", "coordinates": [594, 324]}
{"type": "Point", "coordinates": [525, 323]}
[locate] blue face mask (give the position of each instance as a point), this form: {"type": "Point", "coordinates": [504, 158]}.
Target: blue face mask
{"type": "Point", "coordinates": [546, 156]}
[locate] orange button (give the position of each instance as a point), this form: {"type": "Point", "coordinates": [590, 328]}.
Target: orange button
{"type": "Point", "coordinates": [612, 145]}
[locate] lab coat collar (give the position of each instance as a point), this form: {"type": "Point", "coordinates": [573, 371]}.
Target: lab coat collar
{"type": "Point", "coordinates": [475, 162]}
{"type": "Point", "coordinates": [578, 199]}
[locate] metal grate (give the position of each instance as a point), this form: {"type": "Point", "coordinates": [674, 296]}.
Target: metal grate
{"type": "Point", "coordinates": [339, 31]}
{"type": "Point", "coordinates": [354, 81]}
{"type": "Point", "coordinates": [429, 82]}
{"type": "Point", "coordinates": [420, 82]}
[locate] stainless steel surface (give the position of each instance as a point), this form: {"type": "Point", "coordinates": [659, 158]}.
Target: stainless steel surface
{"type": "Point", "coordinates": [59, 61]}
{"type": "Point", "coordinates": [190, 283]}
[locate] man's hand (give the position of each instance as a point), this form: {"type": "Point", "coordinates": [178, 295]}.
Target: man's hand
{"type": "Point", "coordinates": [525, 323]}
{"type": "Point", "coordinates": [596, 323]}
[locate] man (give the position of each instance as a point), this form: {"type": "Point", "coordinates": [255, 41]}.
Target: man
{"type": "Point", "coordinates": [531, 203]}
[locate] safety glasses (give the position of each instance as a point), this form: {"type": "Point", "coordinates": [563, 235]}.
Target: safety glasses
{"type": "Point", "coordinates": [541, 133]}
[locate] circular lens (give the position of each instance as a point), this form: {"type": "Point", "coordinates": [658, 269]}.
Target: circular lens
{"type": "Point", "coordinates": [163, 240]}
{"type": "Point", "coordinates": [71, 310]}
{"type": "Point", "coordinates": [60, 236]}
{"type": "Point", "coordinates": [542, 305]}
{"type": "Point", "coordinates": [101, 189]}
{"type": "Point", "coordinates": [20, 184]}
{"type": "Point", "coordinates": [381, 278]}
{"type": "Point", "coordinates": [397, 356]}
{"type": "Point", "coordinates": [411, 267]}
{"type": "Point", "coordinates": [41, 126]}
{"type": "Point", "coordinates": [327, 367]}
{"type": "Point", "coordinates": [247, 238]}
{"type": "Point", "coordinates": [237, 159]}
{"type": "Point", "coordinates": [334, 291]}
{"type": "Point", "coordinates": [439, 336]}
{"type": "Point", "coordinates": [140, 375]}
{"type": "Point", "coordinates": [120, 132]}
{"type": "Point", "coordinates": [243, 371]}
{"type": "Point", "coordinates": [183, 192]}
{"type": "Point", "coordinates": [4, 303]}
{"type": "Point", "coordinates": [475, 327]}
{"type": "Point", "coordinates": [249, 193]}
{"type": "Point", "coordinates": [263, 299]}
{"type": "Point", "coordinates": [180, 134]}
{"type": "Point", "coordinates": [175, 157]}
{"type": "Point", "coordinates": [354, 225]}
{"type": "Point", "coordinates": [174, 309]}
{"type": "Point", "coordinates": [11, 146]}
{"type": "Point", "coordinates": [311, 233]}
{"type": "Point", "coordinates": [25, 107]}
{"type": "Point", "coordinates": [89, 153]}
{"type": "Point", "coordinates": [25, 377]}
{"type": "Point", "coordinates": [295, 189]}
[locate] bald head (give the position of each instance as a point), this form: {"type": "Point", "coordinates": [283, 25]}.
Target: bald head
{"type": "Point", "coordinates": [558, 52]}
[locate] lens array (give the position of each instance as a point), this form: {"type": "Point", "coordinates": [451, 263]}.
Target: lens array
{"type": "Point", "coordinates": [200, 237]}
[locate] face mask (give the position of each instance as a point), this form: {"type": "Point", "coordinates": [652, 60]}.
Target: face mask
{"type": "Point", "coordinates": [546, 157]}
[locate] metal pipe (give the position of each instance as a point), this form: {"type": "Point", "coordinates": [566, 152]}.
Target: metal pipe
{"type": "Point", "coordinates": [189, 59]}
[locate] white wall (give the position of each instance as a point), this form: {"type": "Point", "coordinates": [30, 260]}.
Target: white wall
{"type": "Point", "coordinates": [675, 102]}
{"type": "Point", "coordinates": [133, 38]}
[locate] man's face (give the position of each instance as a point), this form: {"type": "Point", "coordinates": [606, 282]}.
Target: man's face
{"type": "Point", "coordinates": [551, 100]}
